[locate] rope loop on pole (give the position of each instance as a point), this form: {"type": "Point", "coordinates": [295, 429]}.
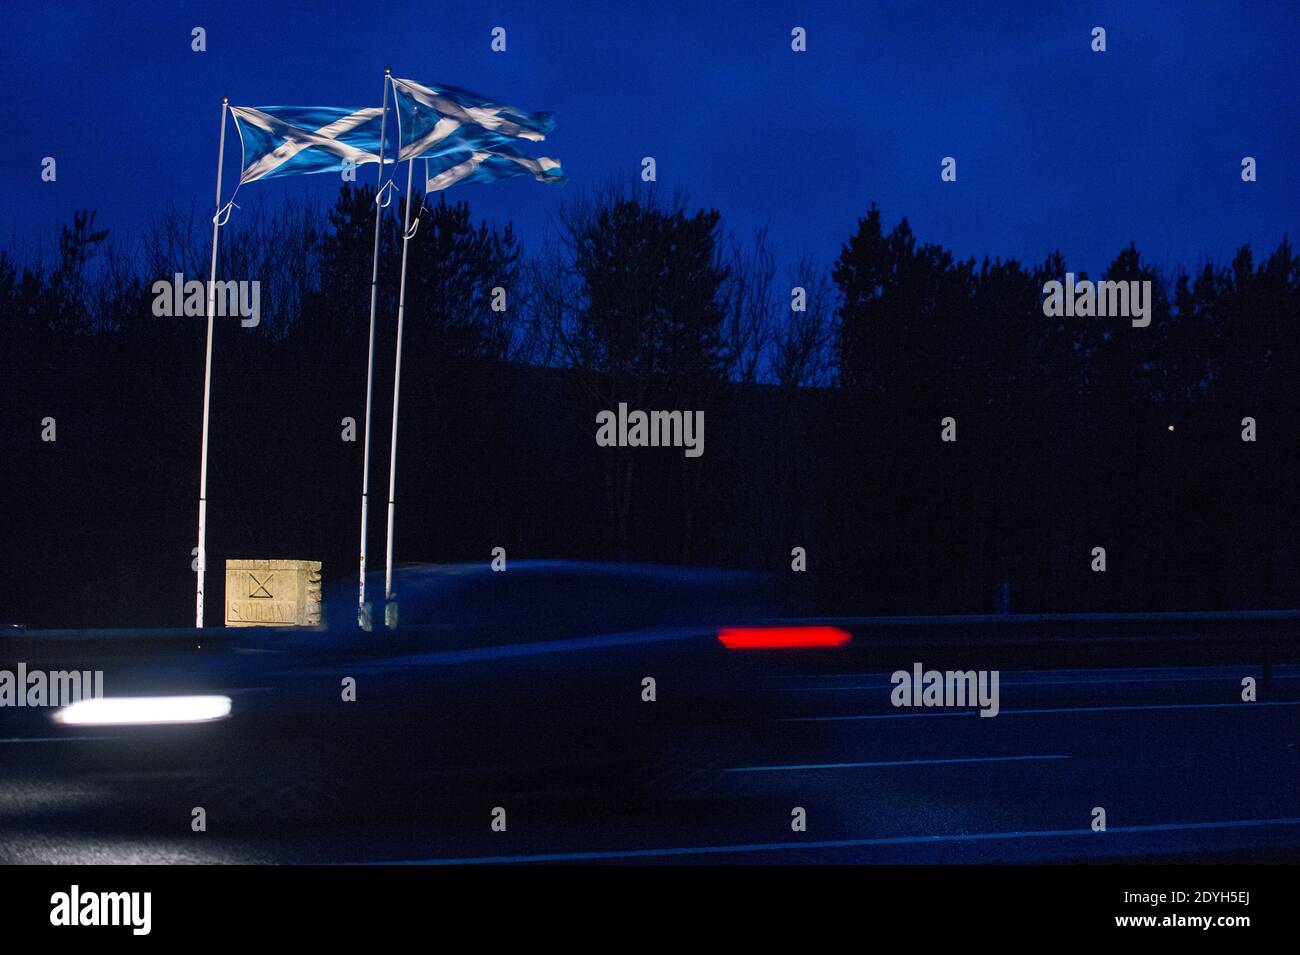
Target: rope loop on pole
{"type": "Point", "coordinates": [386, 193]}
{"type": "Point", "coordinates": [223, 214]}
{"type": "Point", "coordinates": [424, 204]}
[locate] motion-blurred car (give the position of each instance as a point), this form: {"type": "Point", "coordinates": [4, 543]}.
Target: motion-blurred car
{"type": "Point", "coordinates": [550, 677]}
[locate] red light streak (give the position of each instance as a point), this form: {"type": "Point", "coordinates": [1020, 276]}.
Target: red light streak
{"type": "Point", "coordinates": [781, 638]}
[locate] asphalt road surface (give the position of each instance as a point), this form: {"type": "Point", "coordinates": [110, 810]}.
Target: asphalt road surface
{"type": "Point", "coordinates": [1184, 770]}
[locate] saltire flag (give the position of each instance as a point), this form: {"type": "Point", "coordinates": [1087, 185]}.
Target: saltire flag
{"type": "Point", "coordinates": [297, 140]}
{"type": "Point", "coordinates": [487, 165]}
{"type": "Point", "coordinates": [436, 120]}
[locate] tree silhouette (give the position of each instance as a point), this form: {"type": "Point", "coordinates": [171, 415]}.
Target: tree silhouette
{"type": "Point", "coordinates": [823, 426]}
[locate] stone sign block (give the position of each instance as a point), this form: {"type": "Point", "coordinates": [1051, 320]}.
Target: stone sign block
{"type": "Point", "coordinates": [273, 593]}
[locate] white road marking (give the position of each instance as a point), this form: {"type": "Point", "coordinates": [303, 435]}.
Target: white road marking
{"type": "Point", "coordinates": [1042, 709]}
{"type": "Point", "coordinates": [1232, 678]}
{"type": "Point", "coordinates": [890, 762]}
{"type": "Point", "coordinates": [52, 739]}
{"type": "Point", "coordinates": [1229, 671]}
{"type": "Point", "coordinates": [852, 843]}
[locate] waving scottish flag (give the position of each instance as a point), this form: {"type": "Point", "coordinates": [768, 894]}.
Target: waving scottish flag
{"type": "Point", "coordinates": [296, 140]}
{"type": "Point", "coordinates": [437, 120]}
{"type": "Point", "coordinates": [487, 165]}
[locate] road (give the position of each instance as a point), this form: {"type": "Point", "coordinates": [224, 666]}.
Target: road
{"type": "Point", "coordinates": [1182, 767]}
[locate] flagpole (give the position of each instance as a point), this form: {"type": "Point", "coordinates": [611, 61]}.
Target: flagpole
{"type": "Point", "coordinates": [390, 605]}
{"type": "Point", "coordinates": [363, 611]}
{"type": "Point", "coordinates": [207, 383]}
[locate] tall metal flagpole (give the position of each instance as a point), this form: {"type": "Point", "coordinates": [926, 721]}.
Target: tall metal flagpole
{"type": "Point", "coordinates": [363, 611]}
{"type": "Point", "coordinates": [207, 383]}
{"type": "Point", "coordinates": [390, 605]}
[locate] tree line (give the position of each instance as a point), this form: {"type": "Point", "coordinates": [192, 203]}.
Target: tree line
{"type": "Point", "coordinates": [827, 391]}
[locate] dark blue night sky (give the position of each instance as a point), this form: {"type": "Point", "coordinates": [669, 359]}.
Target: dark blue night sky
{"type": "Point", "coordinates": [1057, 146]}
